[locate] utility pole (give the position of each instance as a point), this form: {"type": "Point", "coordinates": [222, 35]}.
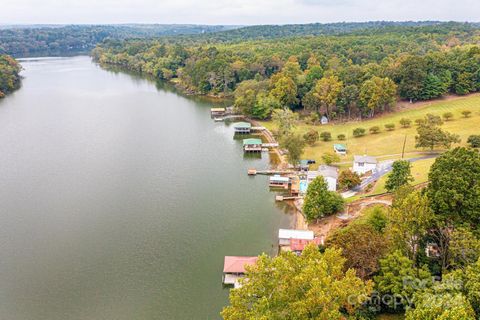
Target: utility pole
{"type": "Point", "coordinates": [404, 143]}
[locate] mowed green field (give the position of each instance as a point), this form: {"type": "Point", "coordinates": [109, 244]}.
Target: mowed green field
{"type": "Point", "coordinates": [388, 143]}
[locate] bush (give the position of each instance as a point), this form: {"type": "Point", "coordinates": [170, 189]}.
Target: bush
{"type": "Point", "coordinates": [358, 132]}
{"type": "Point", "coordinates": [419, 122]}
{"type": "Point", "coordinates": [390, 126]}
{"type": "Point", "coordinates": [329, 158]}
{"type": "Point", "coordinates": [374, 129]}
{"type": "Point", "coordinates": [474, 141]}
{"type": "Point", "coordinates": [405, 123]}
{"type": "Point", "coordinates": [311, 137]}
{"type": "Point", "coordinates": [326, 136]}
{"type": "Point", "coordinates": [341, 136]}
{"type": "Point", "coordinates": [447, 116]}
{"type": "Point", "coordinates": [466, 113]}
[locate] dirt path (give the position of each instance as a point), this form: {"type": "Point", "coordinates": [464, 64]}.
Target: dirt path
{"type": "Point", "coordinates": [324, 227]}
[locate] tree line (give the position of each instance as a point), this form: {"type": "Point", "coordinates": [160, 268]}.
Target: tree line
{"type": "Point", "coordinates": [355, 73]}
{"type": "Point", "coordinates": [9, 75]}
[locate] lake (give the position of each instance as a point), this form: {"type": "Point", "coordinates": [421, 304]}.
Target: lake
{"type": "Point", "coordinates": [119, 198]}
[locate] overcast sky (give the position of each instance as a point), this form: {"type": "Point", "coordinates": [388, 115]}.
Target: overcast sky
{"type": "Point", "coordinates": [233, 11]}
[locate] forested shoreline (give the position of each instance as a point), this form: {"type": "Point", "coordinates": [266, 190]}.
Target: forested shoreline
{"type": "Point", "coordinates": [9, 75]}
{"type": "Point", "coordinates": [349, 72]}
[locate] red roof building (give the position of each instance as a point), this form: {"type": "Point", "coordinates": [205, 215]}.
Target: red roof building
{"type": "Point", "coordinates": [237, 264]}
{"type": "Point", "coordinates": [299, 244]}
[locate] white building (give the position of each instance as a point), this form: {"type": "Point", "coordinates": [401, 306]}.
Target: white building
{"type": "Point", "coordinates": [324, 120]}
{"type": "Point", "coordinates": [329, 173]}
{"type": "Point", "coordinates": [285, 235]}
{"type": "Point", "coordinates": [364, 164]}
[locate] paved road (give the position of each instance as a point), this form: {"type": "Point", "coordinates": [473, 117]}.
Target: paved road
{"type": "Point", "coordinates": [384, 168]}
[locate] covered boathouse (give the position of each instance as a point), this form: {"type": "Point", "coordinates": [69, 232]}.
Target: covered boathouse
{"type": "Point", "coordinates": [252, 145]}
{"type": "Point", "coordinates": [234, 269]}
{"type": "Point", "coordinates": [242, 127]}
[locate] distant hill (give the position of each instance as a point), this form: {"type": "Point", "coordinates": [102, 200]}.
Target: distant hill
{"type": "Point", "coordinates": [32, 40]}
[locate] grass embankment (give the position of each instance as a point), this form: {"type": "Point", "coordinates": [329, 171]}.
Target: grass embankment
{"type": "Point", "coordinates": [390, 143]}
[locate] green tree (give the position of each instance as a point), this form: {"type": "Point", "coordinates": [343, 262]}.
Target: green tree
{"type": "Point", "coordinates": [447, 116]}
{"type": "Point", "coordinates": [294, 144]}
{"type": "Point", "coordinates": [400, 280]}
{"type": "Point", "coordinates": [358, 132]}
{"type": "Point", "coordinates": [319, 202]}
{"type": "Point", "coordinates": [374, 129]}
{"type": "Point", "coordinates": [313, 285]}
{"type": "Point", "coordinates": [377, 94]}
{"type": "Point", "coordinates": [329, 158]}
{"type": "Point", "coordinates": [405, 123]}
{"type": "Point", "coordinates": [264, 106]}
{"type": "Point", "coordinates": [400, 175]}
{"type": "Point", "coordinates": [466, 113]}
{"type": "Point", "coordinates": [348, 179]}
{"type": "Point", "coordinates": [341, 137]}
{"type": "Point", "coordinates": [442, 302]}
{"type": "Point", "coordinates": [429, 135]}
{"type": "Point", "coordinates": [327, 91]}
{"type": "Point", "coordinates": [326, 136]}
{"type": "Point", "coordinates": [311, 137]}
{"type": "Point", "coordinates": [464, 248]}
{"type": "Point", "coordinates": [390, 126]}
{"type": "Point", "coordinates": [454, 189]}
{"type": "Point", "coordinates": [474, 141]}
{"type": "Point", "coordinates": [409, 221]}
{"type": "Point", "coordinates": [285, 120]}
{"type": "Point", "coordinates": [284, 90]}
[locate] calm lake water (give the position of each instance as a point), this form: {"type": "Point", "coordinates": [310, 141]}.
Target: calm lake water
{"type": "Point", "coordinates": [120, 198]}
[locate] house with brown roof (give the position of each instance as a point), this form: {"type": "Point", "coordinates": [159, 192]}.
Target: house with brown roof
{"type": "Point", "coordinates": [234, 269]}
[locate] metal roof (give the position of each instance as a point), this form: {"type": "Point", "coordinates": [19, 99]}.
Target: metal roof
{"type": "Point", "coordinates": [217, 109]}
{"type": "Point", "coordinates": [278, 178]}
{"type": "Point", "coordinates": [340, 147]}
{"type": "Point", "coordinates": [295, 234]}
{"type": "Point", "coordinates": [252, 141]}
{"type": "Point", "coordinates": [328, 171]}
{"type": "Point", "coordinates": [233, 264]}
{"type": "Point", "coordinates": [242, 125]}
{"type": "Point", "coordinates": [365, 159]}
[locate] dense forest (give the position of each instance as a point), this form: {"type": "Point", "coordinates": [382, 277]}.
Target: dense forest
{"type": "Point", "coordinates": [71, 39]}
{"type": "Point", "coordinates": [9, 75]}
{"type": "Point", "coordinates": [340, 70]}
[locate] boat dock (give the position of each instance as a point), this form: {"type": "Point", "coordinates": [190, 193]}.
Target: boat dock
{"type": "Point", "coordinates": [253, 172]}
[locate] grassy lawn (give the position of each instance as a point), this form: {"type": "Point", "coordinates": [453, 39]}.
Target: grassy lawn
{"type": "Point", "coordinates": [391, 142]}
{"type": "Point", "coordinates": [420, 171]}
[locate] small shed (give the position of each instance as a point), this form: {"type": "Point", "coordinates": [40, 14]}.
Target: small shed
{"type": "Point", "coordinates": [252, 145]}
{"type": "Point", "coordinates": [242, 127]}
{"type": "Point", "coordinates": [286, 235]}
{"type": "Point", "coordinates": [340, 148]}
{"type": "Point", "coordinates": [324, 120]}
{"type": "Point", "coordinates": [234, 268]}
{"type": "Point", "coordinates": [277, 181]}
{"type": "Point", "coordinates": [364, 164]}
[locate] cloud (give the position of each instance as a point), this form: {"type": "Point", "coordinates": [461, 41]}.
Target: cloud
{"type": "Point", "coordinates": [233, 11]}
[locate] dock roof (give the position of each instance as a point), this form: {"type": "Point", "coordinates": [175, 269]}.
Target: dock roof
{"type": "Point", "coordinates": [278, 178]}
{"type": "Point", "coordinates": [364, 159]}
{"type": "Point", "coordinates": [234, 264]}
{"type": "Point", "coordinates": [252, 141]}
{"type": "Point", "coordinates": [295, 234]}
{"type": "Point", "coordinates": [242, 125]}
{"type": "Point", "coordinates": [217, 109]}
